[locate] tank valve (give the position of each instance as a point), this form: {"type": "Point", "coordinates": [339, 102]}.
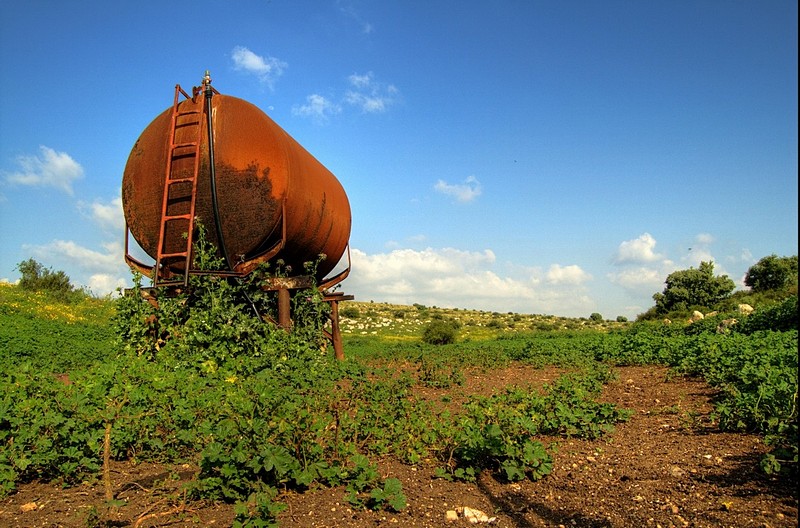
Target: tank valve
{"type": "Point", "coordinates": [207, 79]}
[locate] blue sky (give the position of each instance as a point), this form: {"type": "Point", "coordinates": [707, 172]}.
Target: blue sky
{"type": "Point", "coordinates": [558, 157]}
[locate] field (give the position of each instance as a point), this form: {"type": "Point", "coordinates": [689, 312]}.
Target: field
{"type": "Point", "coordinates": [532, 420]}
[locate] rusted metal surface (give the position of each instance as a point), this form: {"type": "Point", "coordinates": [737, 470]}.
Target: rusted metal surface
{"type": "Point", "coordinates": [275, 200]}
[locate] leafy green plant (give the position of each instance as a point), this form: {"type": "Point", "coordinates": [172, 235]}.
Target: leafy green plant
{"type": "Point", "coordinates": [440, 332]}
{"type": "Point", "coordinates": [390, 496]}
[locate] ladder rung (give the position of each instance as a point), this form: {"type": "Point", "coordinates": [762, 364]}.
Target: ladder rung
{"type": "Point", "coordinates": [179, 180]}
{"type": "Point", "coordinates": [172, 255]}
{"type": "Point", "coordinates": [167, 218]}
{"type": "Point", "coordinates": [188, 112]}
{"type": "Point", "coordinates": [184, 145]}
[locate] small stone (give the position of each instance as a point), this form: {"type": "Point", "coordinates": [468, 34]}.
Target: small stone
{"type": "Point", "coordinates": [451, 515]}
{"type": "Point", "coordinates": [28, 506]}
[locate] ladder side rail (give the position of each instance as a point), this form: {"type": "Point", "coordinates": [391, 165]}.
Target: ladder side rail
{"type": "Point", "coordinates": [170, 142]}
{"type": "Point", "coordinates": [193, 202]}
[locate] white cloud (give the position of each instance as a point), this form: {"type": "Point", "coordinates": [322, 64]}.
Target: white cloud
{"type": "Point", "coordinates": [102, 284]}
{"type": "Point", "coordinates": [361, 81]}
{"type": "Point", "coordinates": [267, 69]}
{"type": "Point", "coordinates": [60, 251]}
{"type": "Point", "coordinates": [465, 192]}
{"type": "Point", "coordinates": [642, 271]}
{"type": "Point", "coordinates": [700, 252]}
{"type": "Point", "coordinates": [573, 274]}
{"type": "Point", "coordinates": [638, 250]}
{"type": "Point", "coordinates": [641, 280]}
{"type": "Point", "coordinates": [317, 107]}
{"type": "Point", "coordinates": [50, 169]}
{"type": "Point", "coordinates": [101, 271]}
{"type": "Point", "coordinates": [365, 93]}
{"type": "Point", "coordinates": [108, 215]}
{"type": "Point", "coordinates": [451, 277]}
{"type": "Point", "coordinates": [704, 239]}
{"type": "Point", "coordinates": [368, 94]}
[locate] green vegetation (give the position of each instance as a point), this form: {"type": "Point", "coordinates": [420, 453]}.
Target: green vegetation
{"type": "Point", "coordinates": [441, 332]}
{"type": "Point", "coordinates": [259, 410]}
{"type": "Point", "coordinates": [56, 284]}
{"type": "Point", "coordinates": [772, 273]}
{"type": "Point", "coordinates": [693, 288]}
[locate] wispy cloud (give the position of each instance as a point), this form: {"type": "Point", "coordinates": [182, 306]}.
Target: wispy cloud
{"type": "Point", "coordinates": [267, 69]}
{"type": "Point", "coordinates": [463, 192]}
{"type": "Point", "coordinates": [349, 11]}
{"type": "Point", "coordinates": [451, 277]}
{"type": "Point", "coordinates": [49, 169]}
{"type": "Point", "coordinates": [100, 271]}
{"type": "Point", "coordinates": [363, 92]}
{"type": "Point", "coordinates": [317, 107]}
{"type": "Point", "coordinates": [370, 95]}
{"type": "Point", "coordinates": [108, 215]}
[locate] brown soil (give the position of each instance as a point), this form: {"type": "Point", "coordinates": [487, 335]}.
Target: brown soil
{"type": "Point", "coordinates": [667, 466]}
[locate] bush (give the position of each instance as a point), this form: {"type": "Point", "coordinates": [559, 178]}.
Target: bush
{"type": "Point", "coordinates": [596, 317]}
{"type": "Point", "coordinates": [772, 273]}
{"type": "Point", "coordinates": [440, 332]}
{"type": "Point", "coordinates": [693, 288]}
{"type": "Point", "coordinates": [781, 317]}
{"type": "Point", "coordinates": [351, 312]}
{"type": "Point", "coordinates": [35, 277]}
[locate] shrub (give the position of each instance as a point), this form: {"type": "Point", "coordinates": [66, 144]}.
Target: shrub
{"type": "Point", "coordinates": [35, 277]}
{"type": "Point", "coordinates": [780, 317]}
{"type": "Point", "coordinates": [440, 332]}
{"type": "Point", "coordinates": [351, 312]}
{"type": "Point", "coordinates": [596, 317]}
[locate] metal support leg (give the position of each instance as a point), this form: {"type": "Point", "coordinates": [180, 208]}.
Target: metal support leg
{"type": "Point", "coordinates": [284, 309]}
{"type": "Point", "coordinates": [336, 333]}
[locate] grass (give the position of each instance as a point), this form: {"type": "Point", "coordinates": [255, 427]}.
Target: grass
{"type": "Point", "coordinates": [53, 334]}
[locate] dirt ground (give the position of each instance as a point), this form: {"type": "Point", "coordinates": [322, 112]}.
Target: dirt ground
{"type": "Point", "coordinates": [668, 466]}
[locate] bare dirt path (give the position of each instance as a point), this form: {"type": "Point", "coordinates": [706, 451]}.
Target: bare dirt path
{"type": "Point", "coordinates": [668, 466]}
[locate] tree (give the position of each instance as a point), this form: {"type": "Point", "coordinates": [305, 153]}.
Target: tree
{"type": "Point", "coordinates": [36, 277]}
{"type": "Point", "coordinates": [693, 287]}
{"type": "Point", "coordinates": [596, 317]}
{"type": "Point", "coordinates": [772, 273]}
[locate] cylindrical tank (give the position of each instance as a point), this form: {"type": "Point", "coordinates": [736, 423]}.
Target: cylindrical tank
{"type": "Point", "coordinates": [271, 192]}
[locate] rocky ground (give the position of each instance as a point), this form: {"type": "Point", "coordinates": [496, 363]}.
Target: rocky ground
{"type": "Point", "coordinates": [668, 466]}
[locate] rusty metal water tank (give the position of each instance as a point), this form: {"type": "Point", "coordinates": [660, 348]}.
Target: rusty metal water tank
{"type": "Point", "coordinates": [274, 199]}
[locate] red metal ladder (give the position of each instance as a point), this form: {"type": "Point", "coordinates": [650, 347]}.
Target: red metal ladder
{"type": "Point", "coordinates": [185, 135]}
